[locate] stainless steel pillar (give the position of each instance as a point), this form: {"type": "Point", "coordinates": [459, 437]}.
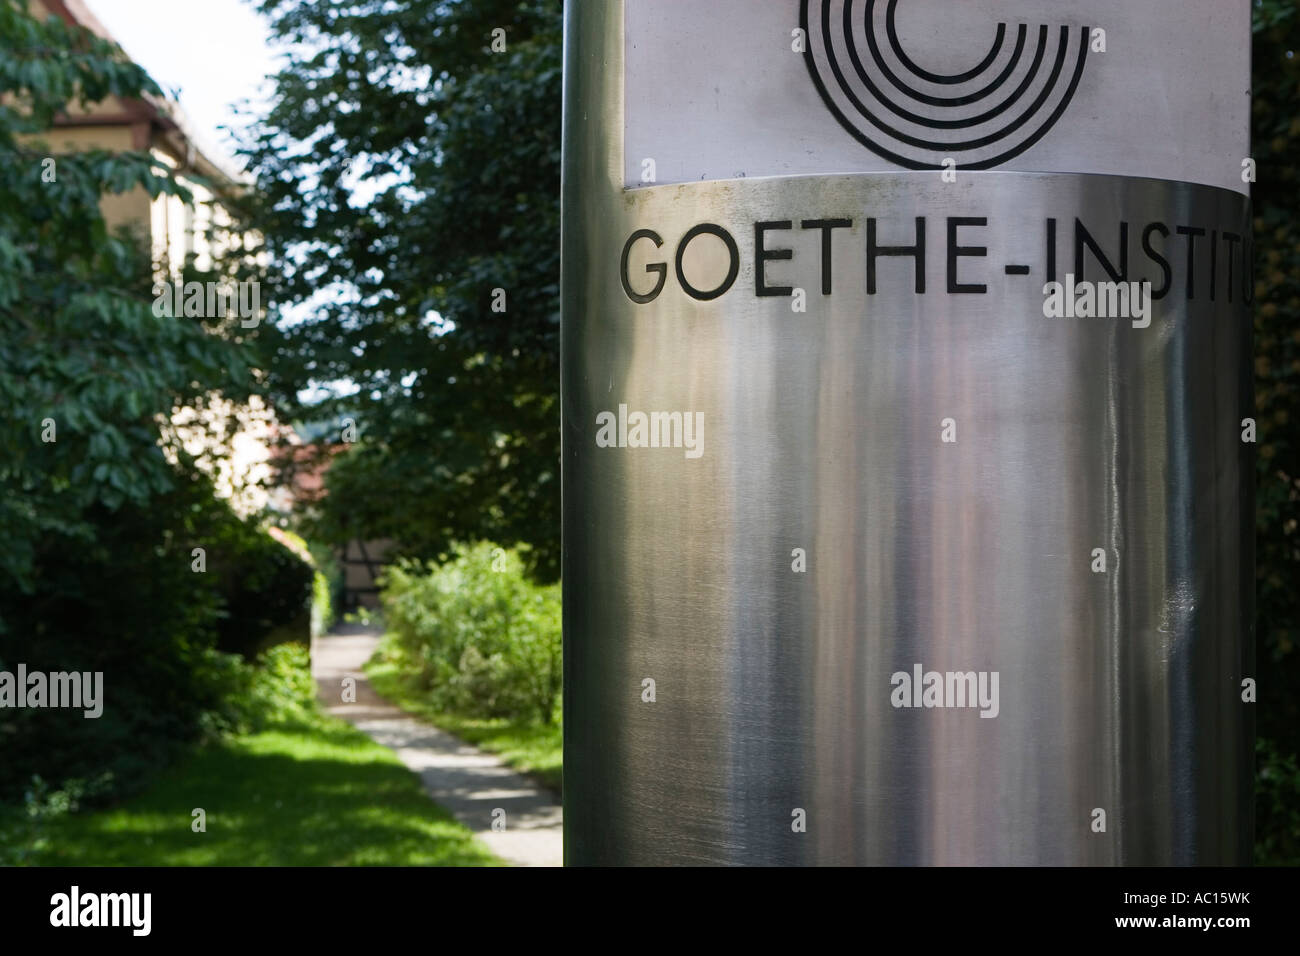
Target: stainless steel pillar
{"type": "Point", "coordinates": [868, 557]}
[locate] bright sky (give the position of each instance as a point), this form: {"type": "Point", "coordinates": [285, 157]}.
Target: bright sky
{"type": "Point", "coordinates": [214, 52]}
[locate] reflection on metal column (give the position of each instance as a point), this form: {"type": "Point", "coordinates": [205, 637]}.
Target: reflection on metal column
{"type": "Point", "coordinates": [907, 515]}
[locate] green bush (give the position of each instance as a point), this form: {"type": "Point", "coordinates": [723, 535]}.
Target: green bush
{"type": "Point", "coordinates": [328, 589]}
{"type": "Point", "coordinates": [482, 639]}
{"type": "Point", "coordinates": [1277, 806]}
{"type": "Point", "coordinates": [277, 689]}
{"type": "Point", "coordinates": [266, 588]}
{"type": "Point", "coordinates": [322, 604]}
{"type": "Point", "coordinates": [128, 603]}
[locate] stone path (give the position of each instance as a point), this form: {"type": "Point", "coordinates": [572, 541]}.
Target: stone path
{"type": "Point", "coordinates": [465, 780]}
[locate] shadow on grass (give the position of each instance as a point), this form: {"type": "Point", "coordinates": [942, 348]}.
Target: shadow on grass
{"type": "Point", "coordinates": [316, 794]}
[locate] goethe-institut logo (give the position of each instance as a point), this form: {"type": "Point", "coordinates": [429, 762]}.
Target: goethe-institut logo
{"type": "Point", "coordinates": [977, 119]}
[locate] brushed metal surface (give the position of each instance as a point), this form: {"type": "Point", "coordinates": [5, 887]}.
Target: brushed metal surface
{"type": "Point", "coordinates": [822, 431]}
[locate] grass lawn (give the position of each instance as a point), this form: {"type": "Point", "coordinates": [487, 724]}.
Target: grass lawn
{"type": "Point", "coordinates": [319, 793]}
{"type": "Point", "coordinates": [531, 748]}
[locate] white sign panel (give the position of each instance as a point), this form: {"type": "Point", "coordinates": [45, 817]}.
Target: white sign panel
{"type": "Point", "coordinates": [800, 87]}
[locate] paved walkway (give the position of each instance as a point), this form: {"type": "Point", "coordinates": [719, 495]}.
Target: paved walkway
{"type": "Point", "coordinates": [465, 780]}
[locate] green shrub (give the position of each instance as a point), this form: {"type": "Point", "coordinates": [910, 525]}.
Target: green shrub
{"type": "Point", "coordinates": [128, 603]}
{"type": "Point", "coordinates": [482, 639]}
{"type": "Point", "coordinates": [1277, 806]}
{"type": "Point", "coordinates": [266, 587]}
{"type": "Point", "coordinates": [329, 587]}
{"type": "Point", "coordinates": [322, 604]}
{"type": "Point", "coordinates": [277, 689]}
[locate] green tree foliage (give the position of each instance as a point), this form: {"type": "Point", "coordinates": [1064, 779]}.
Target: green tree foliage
{"type": "Point", "coordinates": [408, 170]}
{"type": "Point", "coordinates": [83, 360]}
{"type": "Point", "coordinates": [1276, 143]}
{"type": "Point", "coordinates": [129, 604]}
{"type": "Point", "coordinates": [99, 506]}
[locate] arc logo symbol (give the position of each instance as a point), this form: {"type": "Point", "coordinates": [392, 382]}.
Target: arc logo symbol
{"type": "Point", "coordinates": [980, 118]}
